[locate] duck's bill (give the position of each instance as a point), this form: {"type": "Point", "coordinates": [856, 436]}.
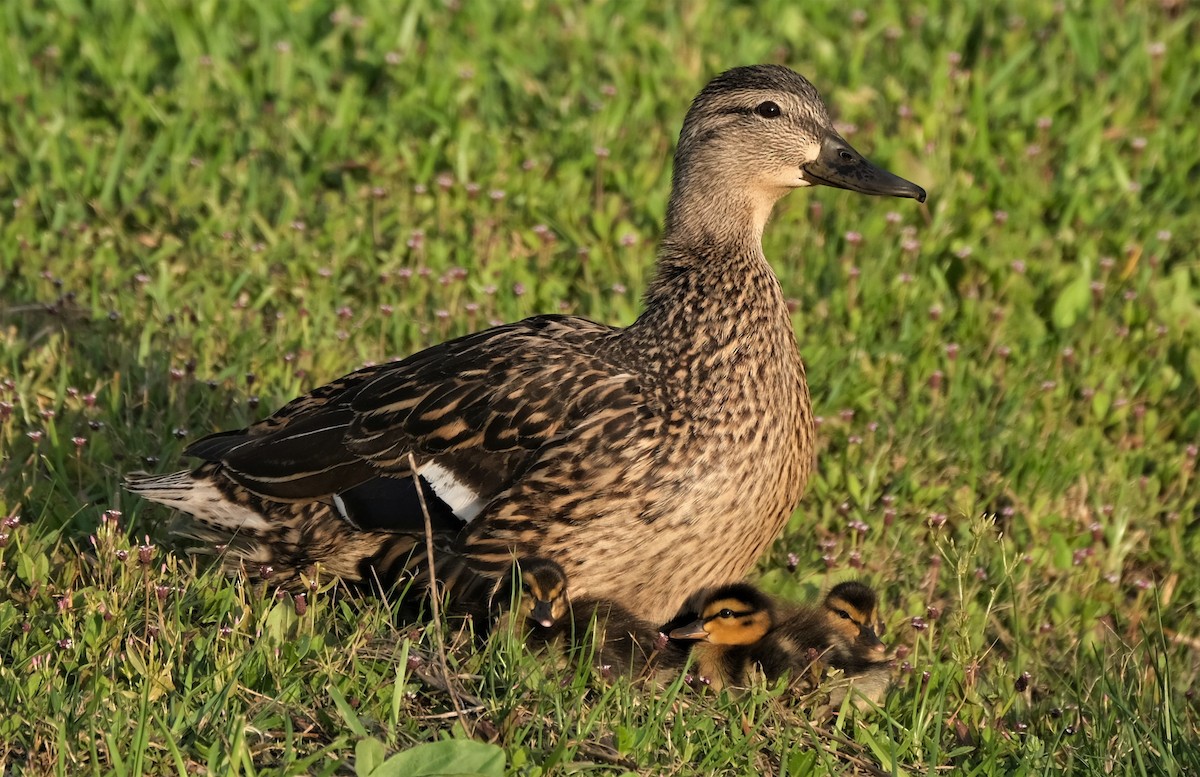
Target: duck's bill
{"type": "Point", "coordinates": [542, 614]}
{"type": "Point", "coordinates": [693, 630]}
{"type": "Point", "coordinates": [840, 166]}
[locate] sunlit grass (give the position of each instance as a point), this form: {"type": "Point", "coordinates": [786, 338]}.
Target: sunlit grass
{"type": "Point", "coordinates": [208, 208]}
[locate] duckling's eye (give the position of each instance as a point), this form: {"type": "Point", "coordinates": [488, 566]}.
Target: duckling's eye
{"type": "Point", "coordinates": [843, 614]}
{"type": "Point", "coordinates": [768, 110]}
{"type": "Point", "coordinates": [726, 613]}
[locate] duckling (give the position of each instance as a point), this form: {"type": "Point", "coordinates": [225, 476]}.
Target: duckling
{"type": "Point", "coordinates": [740, 630]}
{"type": "Point", "coordinates": [623, 643]}
{"type": "Point", "coordinates": [561, 437]}
{"type": "Point", "coordinates": [538, 598]}
{"type": "Point", "coordinates": [734, 620]}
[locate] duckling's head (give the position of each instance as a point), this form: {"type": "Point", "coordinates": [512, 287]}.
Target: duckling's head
{"type": "Point", "coordinates": [852, 611]}
{"type": "Point", "coordinates": [737, 614]}
{"type": "Point", "coordinates": [758, 132]}
{"type": "Point", "coordinates": [543, 591]}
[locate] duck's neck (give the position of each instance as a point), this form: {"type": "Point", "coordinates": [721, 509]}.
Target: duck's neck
{"type": "Point", "coordinates": [737, 214]}
{"type": "Point", "coordinates": [713, 286]}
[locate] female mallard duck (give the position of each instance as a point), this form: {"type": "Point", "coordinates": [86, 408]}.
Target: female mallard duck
{"type": "Point", "coordinates": [563, 438]}
{"type": "Point", "coordinates": [741, 630]}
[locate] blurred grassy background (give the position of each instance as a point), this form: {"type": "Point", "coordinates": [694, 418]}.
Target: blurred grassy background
{"type": "Point", "coordinates": [206, 208]}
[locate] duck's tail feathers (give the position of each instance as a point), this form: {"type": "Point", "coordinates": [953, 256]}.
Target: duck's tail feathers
{"type": "Point", "coordinates": [287, 544]}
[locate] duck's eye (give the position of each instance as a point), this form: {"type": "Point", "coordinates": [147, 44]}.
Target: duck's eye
{"type": "Point", "coordinates": [768, 110]}
{"type": "Point", "coordinates": [726, 613]}
{"type": "Point", "coordinates": [843, 614]}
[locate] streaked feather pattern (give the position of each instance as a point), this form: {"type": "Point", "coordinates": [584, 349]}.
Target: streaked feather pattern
{"type": "Point", "coordinates": [642, 448]}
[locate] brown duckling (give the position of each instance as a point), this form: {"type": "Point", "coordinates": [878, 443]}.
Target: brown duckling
{"type": "Point", "coordinates": [623, 643]}
{"type": "Point", "coordinates": [741, 630]}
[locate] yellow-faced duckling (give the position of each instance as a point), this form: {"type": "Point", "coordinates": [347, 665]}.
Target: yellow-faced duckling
{"type": "Point", "coordinates": [741, 630]}
{"type": "Point", "coordinates": [605, 448]}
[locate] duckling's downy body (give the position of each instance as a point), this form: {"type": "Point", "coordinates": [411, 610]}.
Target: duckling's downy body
{"type": "Point", "coordinates": [623, 643]}
{"type": "Point", "coordinates": [741, 630]}
{"type": "Point", "coordinates": [563, 438]}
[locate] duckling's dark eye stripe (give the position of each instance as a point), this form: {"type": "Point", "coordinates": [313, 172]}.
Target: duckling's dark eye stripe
{"type": "Point", "coordinates": [732, 614]}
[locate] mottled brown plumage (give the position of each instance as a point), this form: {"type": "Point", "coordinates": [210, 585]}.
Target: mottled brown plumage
{"type": "Point", "coordinates": [558, 437]}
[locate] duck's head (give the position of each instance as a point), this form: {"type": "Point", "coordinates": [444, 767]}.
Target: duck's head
{"type": "Point", "coordinates": [737, 614]}
{"type": "Point", "coordinates": [852, 611]}
{"type": "Point", "coordinates": [543, 592]}
{"type": "Point", "coordinates": [758, 132]}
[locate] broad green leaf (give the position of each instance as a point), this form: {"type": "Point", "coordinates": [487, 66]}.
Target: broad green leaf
{"type": "Point", "coordinates": [1073, 301]}
{"type": "Point", "coordinates": [449, 758]}
{"type": "Point", "coordinates": [369, 754]}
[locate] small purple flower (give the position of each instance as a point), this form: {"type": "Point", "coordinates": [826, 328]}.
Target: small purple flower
{"type": "Point", "coordinates": [918, 623]}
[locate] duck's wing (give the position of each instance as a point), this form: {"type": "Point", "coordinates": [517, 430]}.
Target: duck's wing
{"type": "Point", "coordinates": [471, 413]}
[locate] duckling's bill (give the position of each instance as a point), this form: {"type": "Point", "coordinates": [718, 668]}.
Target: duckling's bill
{"type": "Point", "coordinates": [693, 630]}
{"type": "Point", "coordinates": [840, 166]}
{"type": "Point", "coordinates": [542, 614]}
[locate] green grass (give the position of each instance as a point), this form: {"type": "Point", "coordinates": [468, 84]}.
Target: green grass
{"type": "Point", "coordinates": [206, 208]}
